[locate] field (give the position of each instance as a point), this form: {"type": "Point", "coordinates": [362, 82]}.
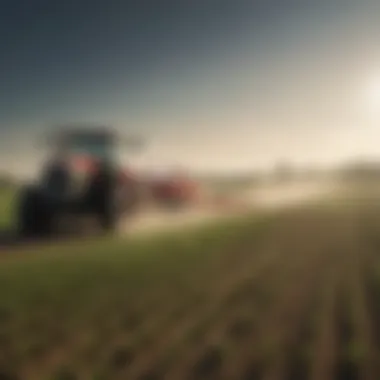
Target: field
{"type": "Point", "coordinates": [290, 295]}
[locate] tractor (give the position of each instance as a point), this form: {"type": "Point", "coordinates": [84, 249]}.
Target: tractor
{"type": "Point", "coordinates": [82, 181]}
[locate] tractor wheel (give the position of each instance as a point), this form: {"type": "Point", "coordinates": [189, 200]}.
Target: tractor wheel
{"type": "Point", "coordinates": [109, 220]}
{"type": "Point", "coordinates": [101, 200]}
{"type": "Point", "coordinates": [26, 214]}
{"type": "Point", "coordinates": [34, 219]}
{"type": "Point", "coordinates": [111, 210]}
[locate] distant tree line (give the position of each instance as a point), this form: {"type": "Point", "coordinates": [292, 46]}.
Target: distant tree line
{"type": "Point", "coordinates": [361, 171]}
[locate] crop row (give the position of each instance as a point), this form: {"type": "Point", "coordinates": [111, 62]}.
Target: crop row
{"type": "Point", "coordinates": [300, 301]}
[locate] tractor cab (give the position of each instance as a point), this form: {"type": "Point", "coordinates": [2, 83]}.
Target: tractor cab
{"type": "Point", "coordinates": [81, 147]}
{"type": "Point", "coordinates": [77, 155]}
{"type": "Point", "coordinates": [84, 151]}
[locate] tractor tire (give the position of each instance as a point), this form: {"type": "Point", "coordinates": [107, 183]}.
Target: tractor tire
{"type": "Point", "coordinates": [26, 217]}
{"type": "Point", "coordinates": [109, 220]}
{"type": "Point", "coordinates": [101, 200]}
{"type": "Point", "coordinates": [34, 218]}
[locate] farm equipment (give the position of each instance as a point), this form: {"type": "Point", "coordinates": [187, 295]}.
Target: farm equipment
{"type": "Point", "coordinates": [174, 192]}
{"type": "Point", "coordinates": [83, 181]}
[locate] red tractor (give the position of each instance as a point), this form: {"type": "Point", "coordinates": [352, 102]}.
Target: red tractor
{"type": "Point", "coordinates": [83, 179]}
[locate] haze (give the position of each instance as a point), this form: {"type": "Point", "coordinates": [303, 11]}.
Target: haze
{"type": "Point", "coordinates": [212, 84]}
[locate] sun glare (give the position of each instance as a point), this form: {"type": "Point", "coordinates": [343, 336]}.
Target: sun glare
{"type": "Point", "coordinates": [368, 102]}
{"type": "Point", "coordinates": [373, 94]}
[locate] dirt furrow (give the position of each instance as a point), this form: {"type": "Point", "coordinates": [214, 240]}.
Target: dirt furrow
{"type": "Point", "coordinates": [235, 324]}
{"type": "Point", "coordinates": [324, 352]}
{"type": "Point", "coordinates": [169, 313]}
{"type": "Point", "coordinates": [176, 333]}
{"type": "Point", "coordinates": [245, 361]}
{"type": "Point", "coordinates": [365, 355]}
{"type": "Point", "coordinates": [291, 311]}
{"type": "Point", "coordinates": [345, 368]}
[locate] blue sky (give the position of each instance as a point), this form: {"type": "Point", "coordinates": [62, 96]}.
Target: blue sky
{"type": "Point", "coordinates": [211, 84]}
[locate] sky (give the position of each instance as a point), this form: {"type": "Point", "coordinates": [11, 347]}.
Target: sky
{"type": "Point", "coordinates": [210, 84]}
